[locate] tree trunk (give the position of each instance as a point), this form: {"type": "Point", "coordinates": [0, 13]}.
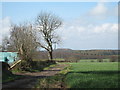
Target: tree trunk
{"type": "Point", "coordinates": [50, 55]}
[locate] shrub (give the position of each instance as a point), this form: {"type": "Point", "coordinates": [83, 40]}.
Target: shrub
{"type": "Point", "coordinates": [92, 60]}
{"type": "Point", "coordinates": [113, 58]}
{"type": "Point", "coordinates": [118, 58]}
{"type": "Point", "coordinates": [100, 60]}
{"type": "Point", "coordinates": [72, 59]}
{"type": "Point", "coordinates": [34, 66]}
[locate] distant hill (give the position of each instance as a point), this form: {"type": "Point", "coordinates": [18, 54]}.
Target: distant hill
{"type": "Point", "coordinates": [82, 54]}
{"type": "Point", "coordinates": [63, 50]}
{"type": "Point", "coordinates": [100, 52]}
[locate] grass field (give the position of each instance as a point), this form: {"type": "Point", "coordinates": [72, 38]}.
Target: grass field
{"type": "Point", "coordinates": [92, 75]}
{"type": "Point", "coordinates": [94, 66]}
{"type": "Point", "coordinates": [93, 60]}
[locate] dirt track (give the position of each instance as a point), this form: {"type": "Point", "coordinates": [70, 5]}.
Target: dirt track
{"type": "Point", "coordinates": [30, 79]}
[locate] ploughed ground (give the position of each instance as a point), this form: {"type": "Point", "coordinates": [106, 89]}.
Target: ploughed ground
{"type": "Point", "coordinates": [30, 79]}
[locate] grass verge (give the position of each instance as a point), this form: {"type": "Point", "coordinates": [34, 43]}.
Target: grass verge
{"type": "Point", "coordinates": [46, 68]}
{"type": "Point", "coordinates": [56, 81]}
{"type": "Point", "coordinates": [50, 82]}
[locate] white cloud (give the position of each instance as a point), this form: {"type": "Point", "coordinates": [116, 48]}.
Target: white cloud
{"type": "Point", "coordinates": [78, 30]}
{"type": "Point", "coordinates": [78, 36]}
{"type": "Point", "coordinates": [100, 9]}
{"type": "Point", "coordinates": [106, 28]}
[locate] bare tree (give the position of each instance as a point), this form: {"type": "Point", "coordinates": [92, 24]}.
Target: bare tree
{"type": "Point", "coordinates": [47, 23]}
{"type": "Point", "coordinates": [23, 40]}
{"type": "Point", "coordinates": [0, 47]}
{"type": "Point", "coordinates": [5, 43]}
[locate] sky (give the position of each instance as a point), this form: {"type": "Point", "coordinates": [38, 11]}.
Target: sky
{"type": "Point", "coordinates": [86, 25]}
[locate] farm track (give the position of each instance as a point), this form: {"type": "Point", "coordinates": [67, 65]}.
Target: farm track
{"type": "Point", "coordinates": [30, 79]}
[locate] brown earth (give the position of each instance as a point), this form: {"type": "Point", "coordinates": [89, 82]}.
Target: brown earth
{"type": "Point", "coordinates": [30, 79]}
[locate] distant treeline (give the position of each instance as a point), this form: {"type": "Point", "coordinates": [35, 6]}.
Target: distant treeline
{"type": "Point", "coordinates": [79, 54]}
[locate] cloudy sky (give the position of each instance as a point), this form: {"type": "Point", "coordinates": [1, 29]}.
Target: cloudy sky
{"type": "Point", "coordinates": [86, 25]}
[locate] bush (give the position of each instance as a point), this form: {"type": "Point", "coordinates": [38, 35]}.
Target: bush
{"type": "Point", "coordinates": [72, 59]}
{"type": "Point", "coordinates": [39, 65]}
{"type": "Point", "coordinates": [92, 60]}
{"type": "Point", "coordinates": [34, 66]}
{"type": "Point", "coordinates": [113, 58]}
{"type": "Point", "coordinates": [118, 58]}
{"type": "Point", "coordinates": [100, 60]}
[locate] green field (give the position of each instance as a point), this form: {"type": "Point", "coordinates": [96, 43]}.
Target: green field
{"type": "Point", "coordinates": [94, 66]}
{"type": "Point", "coordinates": [93, 60]}
{"type": "Point", "coordinates": [92, 75]}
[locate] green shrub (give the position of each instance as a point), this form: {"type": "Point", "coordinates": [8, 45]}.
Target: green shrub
{"type": "Point", "coordinates": [100, 60]}
{"type": "Point", "coordinates": [113, 58]}
{"type": "Point", "coordinates": [92, 60]}
{"type": "Point", "coordinates": [33, 67]}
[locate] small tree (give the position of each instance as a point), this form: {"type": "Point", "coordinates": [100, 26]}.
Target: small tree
{"type": "Point", "coordinates": [23, 40]}
{"type": "Point", "coordinates": [0, 47]}
{"type": "Point", "coordinates": [47, 23]}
